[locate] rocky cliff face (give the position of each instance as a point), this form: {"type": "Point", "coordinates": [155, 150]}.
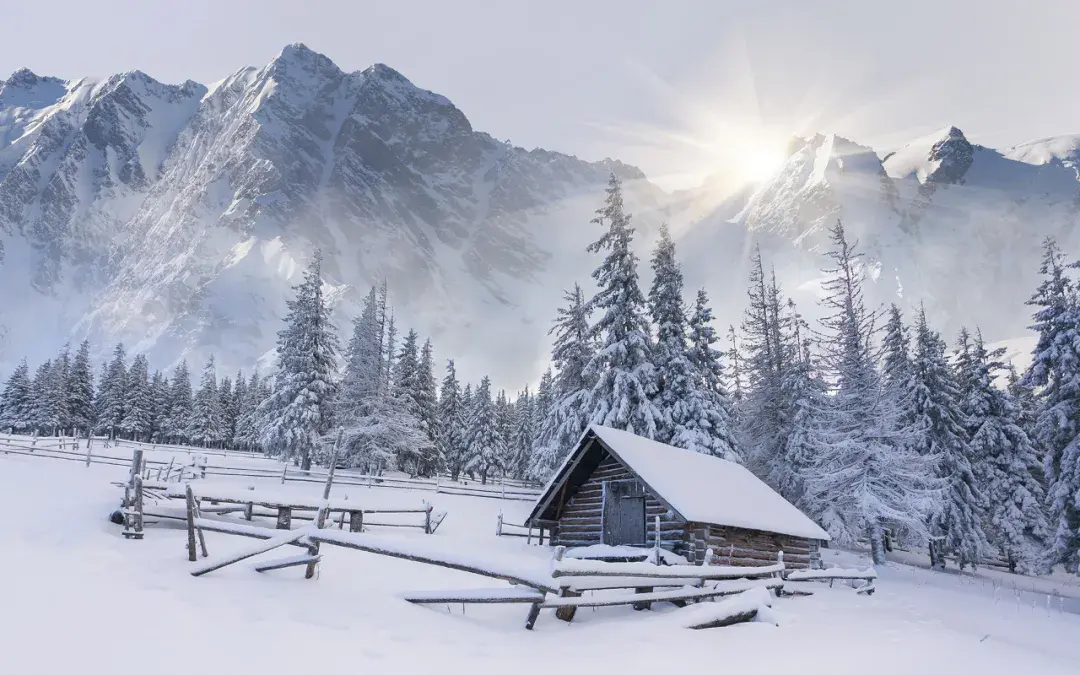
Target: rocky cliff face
{"type": "Point", "coordinates": [177, 217]}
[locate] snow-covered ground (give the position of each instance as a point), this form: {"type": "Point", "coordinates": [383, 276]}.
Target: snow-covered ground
{"type": "Point", "coordinates": [78, 597]}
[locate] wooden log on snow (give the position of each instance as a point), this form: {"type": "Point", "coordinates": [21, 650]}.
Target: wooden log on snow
{"type": "Point", "coordinates": [191, 524]}
{"type": "Point", "coordinates": [729, 620]}
{"type": "Point", "coordinates": [284, 518]}
{"type": "Point", "coordinates": [278, 541]}
{"type": "Point", "coordinates": [292, 561]}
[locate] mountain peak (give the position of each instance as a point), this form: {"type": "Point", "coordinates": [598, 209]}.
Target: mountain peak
{"type": "Point", "coordinates": [940, 158]}
{"type": "Point", "coordinates": [383, 71]}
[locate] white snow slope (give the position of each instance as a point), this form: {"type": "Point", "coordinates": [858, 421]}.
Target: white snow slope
{"type": "Point", "coordinates": [80, 598]}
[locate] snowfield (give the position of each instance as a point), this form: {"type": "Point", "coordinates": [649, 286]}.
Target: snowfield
{"type": "Point", "coordinates": [79, 597]}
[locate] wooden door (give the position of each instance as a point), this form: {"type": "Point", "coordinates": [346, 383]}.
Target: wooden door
{"type": "Point", "coordinates": [624, 513]}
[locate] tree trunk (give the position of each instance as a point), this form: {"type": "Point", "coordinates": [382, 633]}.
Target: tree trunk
{"type": "Point", "coordinates": [877, 543]}
{"type": "Point", "coordinates": [305, 459]}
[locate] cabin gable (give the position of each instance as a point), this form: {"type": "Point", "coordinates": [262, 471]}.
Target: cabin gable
{"type": "Point", "coordinates": [582, 518]}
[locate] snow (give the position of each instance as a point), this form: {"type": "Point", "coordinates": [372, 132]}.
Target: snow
{"type": "Point", "coordinates": [706, 489]}
{"type": "Point", "coordinates": [599, 568]}
{"type": "Point", "coordinates": [70, 573]}
{"type": "Point", "coordinates": [913, 160]}
{"type": "Point", "coordinates": [597, 551]}
{"type": "Point", "coordinates": [755, 600]}
{"type": "Point", "coordinates": [833, 573]}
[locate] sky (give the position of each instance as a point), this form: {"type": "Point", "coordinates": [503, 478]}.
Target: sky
{"type": "Point", "coordinates": [683, 89]}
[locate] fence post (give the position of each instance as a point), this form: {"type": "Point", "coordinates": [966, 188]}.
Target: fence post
{"type": "Point", "coordinates": [427, 519]}
{"type": "Point", "coordinates": [283, 472]}
{"type": "Point", "coordinates": [190, 496]}
{"type": "Point", "coordinates": [656, 540]}
{"type": "Point", "coordinates": [498, 525]}
{"type": "Point", "coordinates": [89, 451]}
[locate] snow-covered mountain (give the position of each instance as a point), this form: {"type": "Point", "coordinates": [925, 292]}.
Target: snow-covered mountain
{"type": "Point", "coordinates": [177, 217]}
{"type": "Point", "coordinates": [942, 221]}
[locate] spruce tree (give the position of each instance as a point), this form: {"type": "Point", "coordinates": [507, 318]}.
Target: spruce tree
{"type": "Point", "coordinates": [956, 522]}
{"type": "Point", "coordinates": [621, 367]}
{"type": "Point", "coordinates": [524, 435]}
{"type": "Point", "coordinates": [864, 473]}
{"type": "Point", "coordinates": [486, 444]}
{"type": "Point", "coordinates": [138, 401]}
{"type": "Point", "coordinates": [205, 426]}
{"type": "Point", "coordinates": [1055, 374]}
{"type": "Point", "coordinates": [547, 453]}
{"type": "Point", "coordinates": [299, 411]}
{"type": "Point", "coordinates": [707, 425]}
{"type": "Point", "coordinates": [1006, 460]}
{"type": "Point", "coordinates": [180, 405]}
{"type": "Point", "coordinates": [406, 389]}
{"type": "Point", "coordinates": [247, 427]}
{"type": "Point", "coordinates": [16, 405]}
{"type": "Point", "coordinates": [112, 393]}
{"type": "Point", "coordinates": [452, 422]}
{"type": "Point", "coordinates": [226, 405]}
{"type": "Point", "coordinates": [159, 392]}
{"type": "Point", "coordinates": [56, 396]}
{"type": "Point", "coordinates": [427, 403]}
{"type": "Point", "coordinates": [674, 373]}
{"type": "Point", "coordinates": [504, 414]}
{"type": "Point", "coordinates": [80, 391]}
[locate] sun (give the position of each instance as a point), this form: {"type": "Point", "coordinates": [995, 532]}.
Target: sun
{"type": "Point", "coordinates": [758, 161]}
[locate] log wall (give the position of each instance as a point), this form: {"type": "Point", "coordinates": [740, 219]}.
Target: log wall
{"type": "Point", "coordinates": [581, 519]}
{"type": "Point", "coordinates": [736, 546]}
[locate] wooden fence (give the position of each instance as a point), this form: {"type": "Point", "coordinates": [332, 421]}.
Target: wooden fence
{"type": "Point", "coordinates": [202, 466]}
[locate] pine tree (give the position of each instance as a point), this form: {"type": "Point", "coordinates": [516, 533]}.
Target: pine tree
{"type": "Point", "coordinates": [765, 413]}
{"type": "Point", "coordinates": [427, 403]}
{"type": "Point", "coordinates": [40, 413]}
{"type": "Point", "coordinates": [138, 401]}
{"type": "Point", "coordinates": [159, 393]}
{"type": "Point", "coordinates": [486, 444]}
{"type": "Point", "coordinates": [675, 376]}
{"type": "Point", "coordinates": [524, 435]}
{"type": "Point", "coordinates": [16, 405]}
{"type": "Point", "coordinates": [299, 411]}
{"type": "Point", "coordinates": [452, 422]}
{"type": "Point", "coordinates": [205, 426]}
{"type": "Point", "coordinates": [504, 415]}
{"type": "Point", "coordinates": [227, 408]}
{"type": "Point", "coordinates": [406, 388]}
{"type": "Point", "coordinates": [864, 473]}
{"type": "Point", "coordinates": [80, 391]}
{"type": "Point", "coordinates": [180, 405]}
{"type": "Point", "coordinates": [547, 454]}
{"type": "Point", "coordinates": [622, 367]}
{"type": "Point", "coordinates": [1005, 459]}
{"type": "Point", "coordinates": [571, 391]}
{"type": "Point", "coordinates": [1055, 373]}
{"type": "Point", "coordinates": [56, 395]}
{"type": "Point", "coordinates": [112, 393]}
{"type": "Point", "coordinates": [734, 372]}
{"type": "Point", "coordinates": [707, 425]}
{"type": "Point", "coordinates": [956, 522]}
{"type": "Point", "coordinates": [247, 421]}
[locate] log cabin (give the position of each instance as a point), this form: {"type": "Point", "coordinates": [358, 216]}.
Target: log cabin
{"type": "Point", "coordinates": [614, 484]}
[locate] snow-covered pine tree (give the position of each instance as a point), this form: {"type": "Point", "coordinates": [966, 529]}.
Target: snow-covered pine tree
{"type": "Point", "coordinates": [159, 392]}
{"type": "Point", "coordinates": [570, 391]}
{"type": "Point", "coordinates": [247, 427]}
{"type": "Point", "coordinates": [299, 411]}
{"type": "Point", "coordinates": [707, 425]}
{"type": "Point", "coordinates": [896, 367]}
{"type": "Point", "coordinates": [113, 393]}
{"type": "Point", "coordinates": [452, 422]}
{"type": "Point", "coordinates": [806, 393]}
{"type": "Point", "coordinates": [486, 443]}
{"type": "Point", "coordinates": [204, 427]}
{"type": "Point", "coordinates": [40, 414]}
{"type": "Point", "coordinates": [504, 413]}
{"type": "Point", "coordinates": [734, 372]}
{"type": "Point", "coordinates": [524, 435]}
{"type": "Point", "coordinates": [180, 405]}
{"type": "Point", "coordinates": [622, 367]}
{"type": "Point", "coordinates": [765, 413]}
{"type": "Point", "coordinates": [80, 391]}
{"type": "Point", "coordinates": [957, 520]}
{"type": "Point", "coordinates": [58, 417]}
{"type": "Point", "coordinates": [675, 382]}
{"type": "Point", "coordinates": [864, 475]}
{"type": "Point", "coordinates": [138, 401]}
{"type": "Point", "coordinates": [16, 406]}
{"type": "Point", "coordinates": [236, 405]}
{"type": "Point", "coordinates": [226, 406]}
{"type": "Point", "coordinates": [1055, 374]}
{"type": "Point", "coordinates": [427, 401]}
{"type": "Point", "coordinates": [406, 388]}
{"type": "Point", "coordinates": [1005, 460]}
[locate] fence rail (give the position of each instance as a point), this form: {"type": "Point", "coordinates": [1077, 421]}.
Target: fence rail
{"type": "Point", "coordinates": [56, 448]}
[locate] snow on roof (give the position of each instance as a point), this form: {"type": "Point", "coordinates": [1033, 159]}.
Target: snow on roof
{"type": "Point", "coordinates": [706, 489]}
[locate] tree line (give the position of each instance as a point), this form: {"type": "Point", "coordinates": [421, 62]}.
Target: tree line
{"type": "Point", "coordinates": [864, 419]}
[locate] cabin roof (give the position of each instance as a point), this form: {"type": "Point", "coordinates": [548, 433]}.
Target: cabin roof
{"type": "Point", "coordinates": [701, 488]}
